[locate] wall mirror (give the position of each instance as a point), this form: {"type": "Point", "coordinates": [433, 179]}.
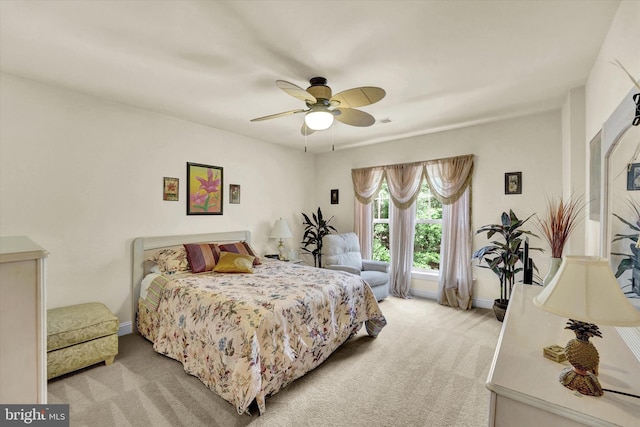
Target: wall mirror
{"type": "Point", "coordinates": [620, 150]}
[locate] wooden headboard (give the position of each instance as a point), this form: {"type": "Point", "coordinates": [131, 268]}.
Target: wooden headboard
{"type": "Point", "coordinates": [143, 244]}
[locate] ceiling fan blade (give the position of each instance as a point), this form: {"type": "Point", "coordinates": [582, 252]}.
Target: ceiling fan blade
{"type": "Point", "coordinates": [353, 117]}
{"type": "Point", "coordinates": [306, 130]}
{"type": "Point", "coordinates": [296, 91]}
{"type": "Point", "coordinates": [359, 96]}
{"type": "Point", "coordinates": [273, 116]}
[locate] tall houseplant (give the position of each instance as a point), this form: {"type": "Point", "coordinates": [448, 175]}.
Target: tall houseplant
{"type": "Point", "coordinates": [630, 261]}
{"type": "Point", "coordinates": [314, 231]}
{"type": "Point", "coordinates": [505, 257]}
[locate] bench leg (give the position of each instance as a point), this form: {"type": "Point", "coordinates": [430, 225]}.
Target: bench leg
{"type": "Point", "coordinates": [109, 361]}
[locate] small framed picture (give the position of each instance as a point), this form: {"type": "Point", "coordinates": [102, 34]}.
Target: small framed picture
{"type": "Point", "coordinates": [513, 183]}
{"type": "Point", "coordinates": [334, 197]}
{"type": "Point", "coordinates": [633, 176]}
{"type": "Point", "coordinates": [234, 194]}
{"type": "Point", "coordinates": [170, 189]}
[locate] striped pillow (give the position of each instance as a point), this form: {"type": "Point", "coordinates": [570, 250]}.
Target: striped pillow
{"type": "Point", "coordinates": [242, 248]}
{"type": "Point", "coordinates": [154, 291]}
{"type": "Point", "coordinates": [202, 256]}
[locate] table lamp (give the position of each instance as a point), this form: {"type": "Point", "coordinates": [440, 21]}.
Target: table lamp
{"type": "Point", "coordinates": [585, 290]}
{"type": "Point", "coordinates": [281, 231]}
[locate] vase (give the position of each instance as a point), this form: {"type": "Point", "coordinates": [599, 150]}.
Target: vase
{"type": "Point", "coordinates": [553, 269]}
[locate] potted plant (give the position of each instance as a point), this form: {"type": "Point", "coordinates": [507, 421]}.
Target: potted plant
{"type": "Point", "coordinates": [504, 257]}
{"type": "Point", "coordinates": [557, 224]}
{"type": "Point", "coordinates": [630, 261]}
{"type": "Point", "coordinates": [314, 231]}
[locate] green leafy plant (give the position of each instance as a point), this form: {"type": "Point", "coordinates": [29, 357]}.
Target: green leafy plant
{"type": "Point", "coordinates": [314, 231]}
{"type": "Point", "coordinates": [505, 258]}
{"type": "Point", "coordinates": [630, 261]}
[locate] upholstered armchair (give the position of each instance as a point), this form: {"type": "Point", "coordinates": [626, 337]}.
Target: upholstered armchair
{"type": "Point", "coordinates": [342, 252]}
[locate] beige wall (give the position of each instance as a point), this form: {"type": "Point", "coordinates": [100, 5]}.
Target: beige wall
{"type": "Point", "coordinates": [607, 84]}
{"type": "Point", "coordinates": [529, 144]}
{"type": "Point", "coordinates": [83, 177]}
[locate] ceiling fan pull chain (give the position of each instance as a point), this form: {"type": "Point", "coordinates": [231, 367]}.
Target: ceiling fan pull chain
{"type": "Point", "coordinates": [333, 136]}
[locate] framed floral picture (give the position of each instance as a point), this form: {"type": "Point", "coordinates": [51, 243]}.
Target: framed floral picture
{"type": "Point", "coordinates": [205, 189]}
{"type": "Point", "coordinates": [170, 189]}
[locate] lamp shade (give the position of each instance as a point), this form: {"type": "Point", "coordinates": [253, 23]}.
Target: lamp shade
{"type": "Point", "coordinates": [585, 289]}
{"type": "Point", "coordinates": [281, 230]}
{"type": "Point", "coordinates": [318, 119]}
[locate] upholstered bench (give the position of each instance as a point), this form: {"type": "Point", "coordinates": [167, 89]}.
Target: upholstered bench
{"type": "Point", "coordinates": [79, 336]}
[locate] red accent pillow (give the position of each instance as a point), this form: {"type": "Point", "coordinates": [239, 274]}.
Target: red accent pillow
{"type": "Point", "coordinates": [241, 248]}
{"type": "Point", "coordinates": [202, 256]}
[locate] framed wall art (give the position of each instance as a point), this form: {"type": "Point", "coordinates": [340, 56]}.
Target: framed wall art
{"type": "Point", "coordinates": [205, 189]}
{"type": "Point", "coordinates": [513, 183]}
{"type": "Point", "coordinates": [170, 189]}
{"type": "Point", "coordinates": [335, 197]}
{"type": "Point", "coordinates": [633, 176]}
{"type": "Point", "coordinates": [234, 194]}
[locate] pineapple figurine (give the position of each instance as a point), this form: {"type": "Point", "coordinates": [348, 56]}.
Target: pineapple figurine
{"type": "Point", "coordinates": [584, 358]}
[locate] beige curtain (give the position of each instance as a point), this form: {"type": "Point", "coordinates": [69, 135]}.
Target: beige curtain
{"type": "Point", "coordinates": [404, 185]}
{"type": "Point", "coordinates": [449, 180]}
{"type": "Point", "coordinates": [366, 184]}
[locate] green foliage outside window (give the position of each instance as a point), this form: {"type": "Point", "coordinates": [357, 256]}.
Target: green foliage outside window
{"type": "Point", "coordinates": [428, 235]}
{"type": "Point", "coordinates": [381, 242]}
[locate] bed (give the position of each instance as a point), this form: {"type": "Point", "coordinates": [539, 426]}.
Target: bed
{"type": "Point", "coordinates": [245, 334]}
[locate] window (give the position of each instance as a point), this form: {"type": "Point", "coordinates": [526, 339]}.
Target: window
{"type": "Point", "coordinates": [428, 224]}
{"type": "Point", "coordinates": [381, 224]}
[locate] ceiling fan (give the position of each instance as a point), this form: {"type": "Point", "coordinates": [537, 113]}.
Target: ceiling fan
{"type": "Point", "coordinates": [323, 107]}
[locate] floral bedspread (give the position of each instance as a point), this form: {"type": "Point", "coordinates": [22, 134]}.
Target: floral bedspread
{"type": "Point", "coordinates": [246, 336]}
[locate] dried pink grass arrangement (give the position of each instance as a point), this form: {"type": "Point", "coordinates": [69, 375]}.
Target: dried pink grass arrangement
{"type": "Point", "coordinates": [560, 219]}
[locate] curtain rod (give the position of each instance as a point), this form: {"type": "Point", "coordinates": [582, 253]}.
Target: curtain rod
{"type": "Point", "coordinates": [423, 162]}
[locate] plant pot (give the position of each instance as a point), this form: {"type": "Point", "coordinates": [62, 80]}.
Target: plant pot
{"type": "Point", "coordinates": [500, 308]}
{"type": "Point", "coordinates": [553, 269]}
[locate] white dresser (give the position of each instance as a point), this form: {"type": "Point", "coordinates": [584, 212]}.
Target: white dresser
{"type": "Point", "coordinates": [524, 385]}
{"type": "Point", "coordinates": [23, 322]}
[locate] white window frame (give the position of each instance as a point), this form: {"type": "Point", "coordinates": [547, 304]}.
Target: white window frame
{"type": "Point", "coordinates": [416, 272]}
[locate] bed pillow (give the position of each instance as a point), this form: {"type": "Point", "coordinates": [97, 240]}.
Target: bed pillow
{"type": "Point", "coordinates": [172, 260]}
{"type": "Point", "coordinates": [154, 291]}
{"type": "Point", "coordinates": [241, 248]}
{"type": "Point", "coordinates": [202, 256]}
{"type": "Point", "coordinates": [231, 262]}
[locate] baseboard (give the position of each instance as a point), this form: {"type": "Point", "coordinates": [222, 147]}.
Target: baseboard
{"type": "Point", "coordinates": [125, 328]}
{"type": "Point", "coordinates": [424, 294]}
{"type": "Point", "coordinates": [480, 303]}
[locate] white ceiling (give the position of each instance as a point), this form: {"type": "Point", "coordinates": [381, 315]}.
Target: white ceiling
{"type": "Point", "coordinates": [443, 64]}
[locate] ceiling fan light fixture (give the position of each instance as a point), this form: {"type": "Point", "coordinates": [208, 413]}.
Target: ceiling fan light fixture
{"type": "Point", "coordinates": [318, 119]}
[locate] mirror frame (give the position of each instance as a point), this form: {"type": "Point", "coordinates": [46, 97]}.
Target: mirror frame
{"type": "Point", "coordinates": [612, 132]}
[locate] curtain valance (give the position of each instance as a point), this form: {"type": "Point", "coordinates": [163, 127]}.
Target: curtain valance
{"type": "Point", "coordinates": [366, 183]}
{"type": "Point", "coordinates": [447, 178]}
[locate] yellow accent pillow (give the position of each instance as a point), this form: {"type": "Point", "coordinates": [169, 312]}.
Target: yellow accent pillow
{"type": "Point", "coordinates": [230, 262]}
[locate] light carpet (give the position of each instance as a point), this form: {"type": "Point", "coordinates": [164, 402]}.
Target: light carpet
{"type": "Point", "coordinates": [428, 367]}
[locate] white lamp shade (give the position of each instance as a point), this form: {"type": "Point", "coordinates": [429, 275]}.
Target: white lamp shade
{"type": "Point", "coordinates": [318, 119]}
{"type": "Point", "coordinates": [281, 230]}
{"type": "Point", "coordinates": [585, 289]}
